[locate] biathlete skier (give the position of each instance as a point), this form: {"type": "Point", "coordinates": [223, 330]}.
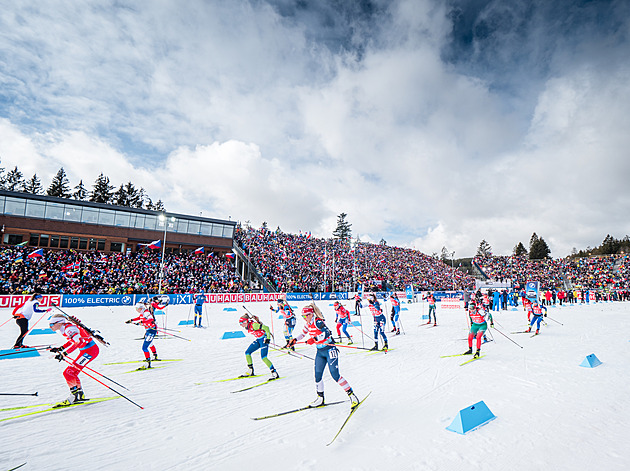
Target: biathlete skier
{"type": "Point", "coordinates": [327, 353]}
{"type": "Point", "coordinates": [262, 339]}
{"type": "Point", "coordinates": [199, 299]}
{"type": "Point", "coordinates": [395, 312]}
{"type": "Point", "coordinates": [289, 319]}
{"type": "Point", "coordinates": [357, 304]}
{"type": "Point", "coordinates": [342, 320]}
{"type": "Point", "coordinates": [478, 326]}
{"type": "Point", "coordinates": [88, 351]}
{"type": "Point", "coordinates": [538, 312]}
{"type": "Point", "coordinates": [146, 319]}
{"type": "Point", "coordinates": [379, 321]}
{"type": "Point", "coordinates": [431, 300]}
{"type": "Point", "coordinates": [22, 315]}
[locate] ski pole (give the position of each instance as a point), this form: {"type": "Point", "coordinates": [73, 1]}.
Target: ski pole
{"type": "Point", "coordinates": [350, 346]}
{"type": "Point", "coordinates": [551, 318]}
{"type": "Point", "coordinates": [401, 325]}
{"type": "Point", "coordinates": [103, 376]}
{"type": "Point", "coordinates": [273, 346]}
{"type": "Point", "coordinates": [507, 337]}
{"type": "Point", "coordinates": [100, 382]}
{"type": "Point", "coordinates": [18, 394]}
{"type": "Point", "coordinates": [363, 334]}
{"type": "Point", "coordinates": [6, 321]}
{"type": "Point", "coordinates": [172, 335]}
{"type": "Point", "coordinates": [17, 352]}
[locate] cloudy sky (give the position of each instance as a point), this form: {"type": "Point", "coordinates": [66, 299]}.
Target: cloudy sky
{"type": "Point", "coordinates": [430, 123]}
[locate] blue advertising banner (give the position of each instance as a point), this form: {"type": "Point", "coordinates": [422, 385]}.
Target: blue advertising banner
{"type": "Point", "coordinates": [81, 300]}
{"type": "Point", "coordinates": [531, 290]}
{"type": "Point", "coordinates": [409, 291]}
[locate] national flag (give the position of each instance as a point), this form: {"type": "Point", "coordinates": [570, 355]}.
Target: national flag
{"type": "Point", "coordinates": [22, 244]}
{"type": "Point", "coordinates": [230, 255]}
{"type": "Point", "coordinates": [199, 250]}
{"type": "Point", "coordinates": [19, 259]}
{"type": "Point", "coordinates": [72, 266]}
{"type": "Point", "coordinates": [309, 235]}
{"type": "Point", "coordinates": [156, 244]}
{"type": "Point", "coordinates": [42, 274]}
{"type": "Point", "coordinates": [36, 253]}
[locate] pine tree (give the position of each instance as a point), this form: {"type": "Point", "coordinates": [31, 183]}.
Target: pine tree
{"type": "Point", "coordinates": [343, 231]}
{"type": "Point", "coordinates": [159, 206]}
{"type": "Point", "coordinates": [135, 198]}
{"type": "Point", "coordinates": [519, 249]}
{"type": "Point", "coordinates": [80, 193]}
{"type": "Point", "coordinates": [610, 245]}
{"type": "Point", "coordinates": [538, 248]}
{"type": "Point", "coordinates": [101, 190]}
{"type": "Point", "coordinates": [120, 197]}
{"type": "Point", "coordinates": [484, 249]}
{"type": "Point", "coordinates": [60, 186]}
{"type": "Point", "coordinates": [14, 180]}
{"type": "Point", "coordinates": [384, 242]}
{"type": "Point", "coordinates": [2, 177]}
{"type": "Point", "coordinates": [34, 186]}
{"type": "Point", "coordinates": [149, 204]}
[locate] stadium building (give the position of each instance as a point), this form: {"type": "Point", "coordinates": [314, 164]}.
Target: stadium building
{"type": "Point", "coordinates": [60, 223]}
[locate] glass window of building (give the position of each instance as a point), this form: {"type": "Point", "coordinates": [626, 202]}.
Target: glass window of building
{"type": "Point", "coordinates": [106, 217]}
{"type": "Point", "coordinates": [2, 198]}
{"type": "Point", "coordinates": [122, 219]}
{"type": "Point", "coordinates": [14, 206]}
{"type": "Point", "coordinates": [217, 230]}
{"type": "Point", "coordinates": [92, 244]}
{"type": "Point", "coordinates": [54, 211]}
{"type": "Point", "coordinates": [182, 226]}
{"type": "Point", "coordinates": [193, 227]}
{"type": "Point", "coordinates": [54, 241]}
{"type": "Point", "coordinates": [139, 221]}
{"type": "Point", "coordinates": [83, 243]}
{"type": "Point", "coordinates": [63, 242]}
{"type": "Point", "coordinates": [101, 244]}
{"type": "Point", "coordinates": [43, 240]}
{"type": "Point", "coordinates": [150, 222]}
{"type": "Point", "coordinates": [13, 239]}
{"type": "Point", "coordinates": [228, 231]}
{"type": "Point", "coordinates": [117, 247]}
{"type": "Point", "coordinates": [90, 216]}
{"type": "Point", "coordinates": [74, 242]}
{"type": "Point", "coordinates": [33, 240]}
{"type": "Point", "coordinates": [35, 209]}
{"type": "Point", "coordinates": [72, 213]}
{"type": "Point", "coordinates": [206, 228]}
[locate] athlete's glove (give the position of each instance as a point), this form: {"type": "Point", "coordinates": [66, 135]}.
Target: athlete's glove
{"type": "Point", "coordinates": [60, 356]}
{"type": "Point", "coordinates": [56, 349]}
{"type": "Point", "coordinates": [129, 321]}
{"type": "Point", "coordinates": [267, 340]}
{"type": "Point", "coordinates": [291, 342]}
{"type": "Point", "coordinates": [310, 341]}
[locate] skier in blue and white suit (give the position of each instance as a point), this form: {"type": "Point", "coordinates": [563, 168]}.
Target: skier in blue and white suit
{"type": "Point", "coordinates": [199, 299]}
{"type": "Point", "coordinates": [379, 321]}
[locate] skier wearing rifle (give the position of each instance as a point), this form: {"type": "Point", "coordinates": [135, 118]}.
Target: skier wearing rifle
{"type": "Point", "coordinates": [146, 319]}
{"type": "Point", "coordinates": [395, 312]}
{"type": "Point", "coordinates": [379, 321]}
{"type": "Point", "coordinates": [199, 299]}
{"type": "Point", "coordinates": [327, 353]}
{"type": "Point", "coordinates": [289, 318]}
{"type": "Point", "coordinates": [343, 319]}
{"type": "Point", "coordinates": [23, 313]}
{"type": "Point", "coordinates": [478, 326]}
{"type": "Point", "coordinates": [262, 339]}
{"type": "Point", "coordinates": [538, 312]}
{"type": "Point", "coordinates": [431, 300]}
{"type": "Point", "coordinates": [78, 338]}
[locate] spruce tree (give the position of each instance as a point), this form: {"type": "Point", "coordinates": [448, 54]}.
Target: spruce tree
{"type": "Point", "coordinates": [538, 248]}
{"type": "Point", "coordinates": [519, 249]}
{"type": "Point", "coordinates": [343, 231]}
{"type": "Point", "coordinates": [14, 180]}
{"type": "Point", "coordinates": [484, 249]}
{"type": "Point", "coordinates": [120, 196]}
{"type": "Point", "coordinates": [134, 197]}
{"type": "Point", "coordinates": [34, 186]}
{"type": "Point", "coordinates": [101, 190]}
{"type": "Point", "coordinates": [80, 193]}
{"type": "Point", "coordinates": [60, 186]}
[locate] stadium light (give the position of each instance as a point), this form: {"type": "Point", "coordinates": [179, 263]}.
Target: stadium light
{"type": "Point", "coordinates": [162, 217]}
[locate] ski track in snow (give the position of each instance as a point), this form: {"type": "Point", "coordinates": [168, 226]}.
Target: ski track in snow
{"type": "Point", "coordinates": [551, 413]}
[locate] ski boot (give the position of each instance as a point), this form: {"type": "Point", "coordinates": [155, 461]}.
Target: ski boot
{"type": "Point", "coordinates": [375, 347]}
{"type": "Point", "coordinates": [477, 353]}
{"type": "Point", "coordinates": [319, 401]}
{"type": "Point", "coordinates": [147, 360]}
{"type": "Point", "coordinates": [354, 400]}
{"type": "Point", "coordinates": [76, 395]}
{"type": "Point", "coordinates": [274, 375]}
{"type": "Point", "coordinates": [385, 347]}
{"type": "Point", "coordinates": [529, 329]}
{"type": "Point", "coordinates": [537, 332]}
{"type": "Point", "coordinates": [397, 331]}
{"type": "Point", "coordinates": [249, 372]}
{"type": "Point", "coordinates": [155, 357]}
{"type": "Point", "coordinates": [468, 352]}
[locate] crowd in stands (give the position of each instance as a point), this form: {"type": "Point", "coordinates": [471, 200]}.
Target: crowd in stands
{"type": "Point", "coordinates": [291, 263]}
{"type": "Point", "coordinates": [300, 263]}
{"type": "Point", "coordinates": [598, 273]}
{"type": "Point", "coordinates": [80, 272]}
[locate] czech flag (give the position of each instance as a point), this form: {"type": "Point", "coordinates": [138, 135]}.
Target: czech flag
{"type": "Point", "coordinates": [230, 255]}
{"type": "Point", "coordinates": [36, 253]}
{"type": "Point", "coordinates": [156, 244]}
{"type": "Point", "coordinates": [199, 250]}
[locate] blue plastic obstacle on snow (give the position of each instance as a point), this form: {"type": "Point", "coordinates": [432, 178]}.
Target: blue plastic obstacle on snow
{"type": "Point", "coordinates": [471, 418]}
{"type": "Point", "coordinates": [22, 353]}
{"type": "Point", "coordinates": [404, 309]}
{"type": "Point", "coordinates": [233, 335]}
{"type": "Point", "coordinates": [591, 361]}
{"type": "Point", "coordinates": [425, 316]}
{"type": "Point", "coordinates": [188, 322]}
{"type": "Point", "coordinates": [229, 309]}
{"type": "Point", "coordinates": [159, 313]}
{"type": "Point", "coordinates": [41, 331]}
{"type": "Point", "coordinates": [356, 324]}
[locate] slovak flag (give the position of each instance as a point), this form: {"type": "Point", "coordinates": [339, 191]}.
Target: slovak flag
{"type": "Point", "coordinates": [199, 250]}
{"type": "Point", "coordinates": [229, 255]}
{"type": "Point", "coordinates": [36, 253]}
{"type": "Point", "coordinates": [309, 235]}
{"type": "Point", "coordinates": [156, 244]}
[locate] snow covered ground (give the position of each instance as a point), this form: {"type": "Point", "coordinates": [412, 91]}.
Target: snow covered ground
{"type": "Point", "coordinates": [551, 413]}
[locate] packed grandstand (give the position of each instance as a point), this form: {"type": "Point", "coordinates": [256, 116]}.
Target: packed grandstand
{"type": "Point", "coordinates": [292, 263]}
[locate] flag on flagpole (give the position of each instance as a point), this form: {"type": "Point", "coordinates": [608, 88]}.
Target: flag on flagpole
{"type": "Point", "coordinates": [36, 253]}
{"type": "Point", "coordinates": [156, 244]}
{"type": "Point", "coordinates": [199, 250]}
{"type": "Point", "coordinates": [22, 244]}
{"type": "Point", "coordinates": [230, 255]}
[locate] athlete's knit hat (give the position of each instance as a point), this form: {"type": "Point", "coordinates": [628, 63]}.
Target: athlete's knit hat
{"type": "Point", "coordinates": [56, 319]}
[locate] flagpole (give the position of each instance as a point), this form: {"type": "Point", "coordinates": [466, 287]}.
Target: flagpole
{"type": "Point", "coordinates": [163, 218]}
